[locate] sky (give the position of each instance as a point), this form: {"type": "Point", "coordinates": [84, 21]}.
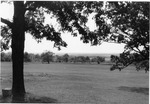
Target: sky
{"type": "Point", "coordinates": [75, 45]}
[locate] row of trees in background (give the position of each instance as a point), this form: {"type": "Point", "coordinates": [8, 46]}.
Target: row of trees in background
{"type": "Point", "coordinates": [48, 57]}
{"type": "Point", "coordinates": [79, 59]}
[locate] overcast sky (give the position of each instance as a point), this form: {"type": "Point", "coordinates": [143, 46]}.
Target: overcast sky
{"type": "Point", "coordinates": [74, 43]}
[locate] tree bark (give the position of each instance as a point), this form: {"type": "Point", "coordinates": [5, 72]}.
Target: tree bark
{"type": "Point", "coordinates": [18, 37]}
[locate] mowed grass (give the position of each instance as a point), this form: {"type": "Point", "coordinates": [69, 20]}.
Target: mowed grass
{"type": "Point", "coordinates": [82, 83]}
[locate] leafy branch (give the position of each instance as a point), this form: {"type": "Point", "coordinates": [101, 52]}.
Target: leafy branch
{"type": "Point", "coordinates": [7, 22]}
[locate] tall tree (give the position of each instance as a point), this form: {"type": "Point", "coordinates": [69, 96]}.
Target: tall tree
{"type": "Point", "coordinates": [29, 17]}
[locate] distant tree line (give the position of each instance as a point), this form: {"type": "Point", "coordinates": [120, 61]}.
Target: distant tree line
{"type": "Point", "coordinates": [48, 57]}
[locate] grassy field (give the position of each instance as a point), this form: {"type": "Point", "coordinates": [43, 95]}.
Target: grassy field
{"type": "Point", "coordinates": [82, 83]}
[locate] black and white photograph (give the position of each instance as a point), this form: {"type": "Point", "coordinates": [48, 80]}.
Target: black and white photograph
{"type": "Point", "coordinates": [74, 52]}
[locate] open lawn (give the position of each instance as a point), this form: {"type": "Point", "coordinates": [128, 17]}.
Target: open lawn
{"type": "Point", "coordinates": [81, 83]}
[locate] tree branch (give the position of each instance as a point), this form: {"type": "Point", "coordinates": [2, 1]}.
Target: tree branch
{"type": "Point", "coordinates": [31, 9]}
{"type": "Point", "coordinates": [136, 50]}
{"type": "Point", "coordinates": [8, 23]}
{"type": "Point", "coordinates": [28, 6]}
{"type": "Point", "coordinates": [123, 33]}
{"type": "Point", "coordinates": [142, 54]}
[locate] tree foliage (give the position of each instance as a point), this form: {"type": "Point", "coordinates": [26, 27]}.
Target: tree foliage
{"type": "Point", "coordinates": [130, 22]}
{"type": "Point", "coordinates": [71, 16]}
{"type": "Point", "coordinates": [6, 37]}
{"type": "Point", "coordinates": [126, 59]}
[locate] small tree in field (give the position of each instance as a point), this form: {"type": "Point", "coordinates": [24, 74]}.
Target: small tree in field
{"type": "Point", "coordinates": [6, 57]}
{"type": "Point", "coordinates": [59, 58]}
{"type": "Point", "coordinates": [100, 59]}
{"type": "Point", "coordinates": [27, 57]}
{"type": "Point", "coordinates": [47, 56]}
{"type": "Point", "coordinates": [3, 56]}
{"type": "Point", "coordinates": [65, 57]}
{"type": "Point", "coordinates": [87, 59]}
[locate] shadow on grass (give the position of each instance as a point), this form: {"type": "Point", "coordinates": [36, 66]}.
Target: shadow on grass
{"type": "Point", "coordinates": [141, 90]}
{"type": "Point", "coordinates": [29, 98]}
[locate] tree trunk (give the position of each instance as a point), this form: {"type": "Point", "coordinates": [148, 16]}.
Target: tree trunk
{"type": "Point", "coordinates": [18, 37]}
